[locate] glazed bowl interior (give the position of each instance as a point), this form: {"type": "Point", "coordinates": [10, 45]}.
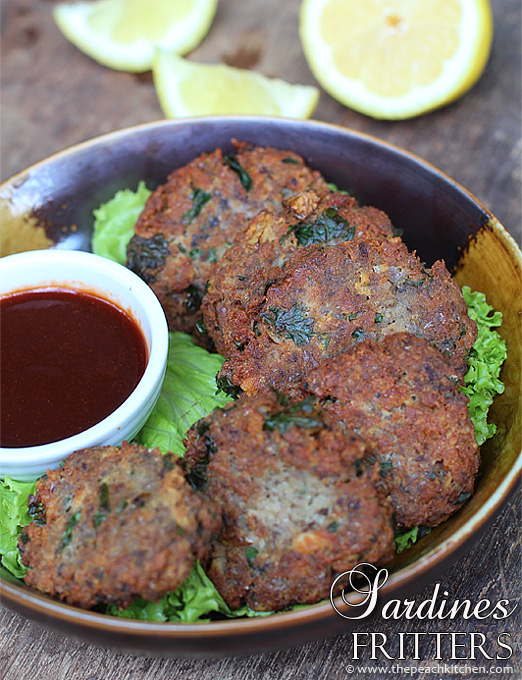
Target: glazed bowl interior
{"type": "Point", "coordinates": [51, 204]}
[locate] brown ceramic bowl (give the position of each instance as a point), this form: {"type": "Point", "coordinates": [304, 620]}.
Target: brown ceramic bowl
{"type": "Point", "coordinates": [51, 203]}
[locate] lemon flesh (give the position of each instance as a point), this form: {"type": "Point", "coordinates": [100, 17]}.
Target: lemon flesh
{"type": "Point", "coordinates": [187, 88]}
{"type": "Point", "coordinates": [124, 34]}
{"type": "Point", "coordinates": [396, 59]}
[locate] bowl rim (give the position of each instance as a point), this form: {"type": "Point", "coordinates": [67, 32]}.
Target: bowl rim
{"type": "Point", "coordinates": [129, 131]}
{"type": "Point", "coordinates": [446, 552]}
{"type": "Point", "coordinates": [120, 134]}
{"type": "Point", "coordinates": [153, 319]}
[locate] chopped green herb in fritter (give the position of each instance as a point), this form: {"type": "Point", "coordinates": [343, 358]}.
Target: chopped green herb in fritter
{"type": "Point", "coordinates": [250, 554]}
{"type": "Point", "coordinates": [302, 414]}
{"type": "Point", "coordinates": [199, 199]}
{"type": "Point", "coordinates": [224, 384]}
{"type": "Point", "coordinates": [36, 510]}
{"type": "Point", "coordinates": [328, 226]}
{"type": "Point", "coordinates": [67, 534]}
{"type": "Point", "coordinates": [195, 296]}
{"type": "Point", "coordinates": [244, 177]}
{"type": "Point", "coordinates": [105, 507]}
{"type": "Point", "coordinates": [104, 497]}
{"type": "Point", "coordinates": [147, 253]}
{"type": "Point", "coordinates": [293, 324]}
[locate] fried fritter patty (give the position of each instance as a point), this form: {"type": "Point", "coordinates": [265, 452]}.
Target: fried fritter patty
{"type": "Point", "coordinates": [189, 222]}
{"type": "Point", "coordinates": [330, 298]}
{"type": "Point", "coordinates": [299, 504]}
{"type": "Point", "coordinates": [258, 254]}
{"type": "Point", "coordinates": [113, 524]}
{"type": "Point", "coordinates": [402, 395]}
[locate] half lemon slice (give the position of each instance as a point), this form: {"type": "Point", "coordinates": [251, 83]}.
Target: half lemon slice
{"type": "Point", "coordinates": [187, 88]}
{"type": "Point", "coordinates": [124, 34]}
{"type": "Point", "coordinates": [395, 59]}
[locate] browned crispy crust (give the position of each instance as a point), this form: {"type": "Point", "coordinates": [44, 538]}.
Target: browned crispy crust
{"type": "Point", "coordinates": [329, 298]}
{"type": "Point", "coordinates": [256, 259]}
{"type": "Point", "coordinates": [187, 244]}
{"type": "Point", "coordinates": [300, 502]}
{"type": "Point", "coordinates": [402, 395]}
{"type": "Point", "coordinates": [113, 524]}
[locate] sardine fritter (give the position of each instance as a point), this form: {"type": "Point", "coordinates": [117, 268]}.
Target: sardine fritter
{"type": "Point", "coordinates": [330, 298]}
{"type": "Point", "coordinates": [112, 524]}
{"type": "Point", "coordinates": [259, 253]}
{"type": "Point", "coordinates": [189, 222]}
{"type": "Point", "coordinates": [402, 395]}
{"type": "Point", "coordinates": [299, 498]}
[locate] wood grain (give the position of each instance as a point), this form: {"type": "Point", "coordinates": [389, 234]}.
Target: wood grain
{"type": "Point", "coordinates": [53, 96]}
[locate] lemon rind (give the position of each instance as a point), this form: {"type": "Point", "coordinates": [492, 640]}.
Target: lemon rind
{"type": "Point", "coordinates": [169, 70]}
{"type": "Point", "coordinates": [460, 73]}
{"type": "Point", "coordinates": [138, 55]}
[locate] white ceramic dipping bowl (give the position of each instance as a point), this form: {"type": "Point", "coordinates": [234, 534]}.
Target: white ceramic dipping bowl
{"type": "Point", "coordinates": [79, 270]}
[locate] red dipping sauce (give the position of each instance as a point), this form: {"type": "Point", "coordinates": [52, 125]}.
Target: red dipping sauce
{"type": "Point", "coordinates": [68, 360]}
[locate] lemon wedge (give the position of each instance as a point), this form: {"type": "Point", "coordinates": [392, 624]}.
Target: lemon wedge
{"type": "Point", "coordinates": [123, 34]}
{"type": "Point", "coordinates": [395, 59]}
{"type": "Point", "coordinates": [187, 88]}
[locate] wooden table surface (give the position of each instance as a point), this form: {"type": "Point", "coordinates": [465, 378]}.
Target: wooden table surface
{"type": "Point", "coordinates": [53, 96]}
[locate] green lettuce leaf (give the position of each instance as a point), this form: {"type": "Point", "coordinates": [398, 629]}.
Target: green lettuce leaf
{"type": "Point", "coordinates": [114, 222]}
{"type": "Point", "coordinates": [192, 602]}
{"type": "Point", "coordinates": [405, 539]}
{"type": "Point", "coordinates": [481, 382]}
{"type": "Point", "coordinates": [14, 515]}
{"type": "Point", "coordinates": [189, 393]}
